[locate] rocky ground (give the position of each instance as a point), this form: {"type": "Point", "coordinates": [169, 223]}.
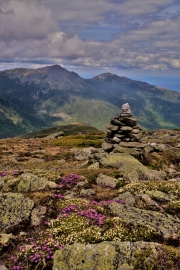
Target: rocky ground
{"type": "Point", "coordinates": [67, 204]}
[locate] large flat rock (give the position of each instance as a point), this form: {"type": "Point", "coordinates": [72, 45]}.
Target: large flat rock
{"type": "Point", "coordinates": [115, 255]}
{"type": "Point", "coordinates": [117, 160]}
{"type": "Point", "coordinates": [133, 170]}
{"type": "Point", "coordinates": [164, 224]}
{"type": "Point", "coordinates": [132, 144]}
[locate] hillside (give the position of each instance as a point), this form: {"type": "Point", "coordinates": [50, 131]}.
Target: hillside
{"type": "Point", "coordinates": [65, 203]}
{"type": "Point", "coordinates": [53, 96]}
{"type": "Point", "coordinates": [71, 129]}
{"type": "Point", "coordinates": [154, 107]}
{"type": "Point", "coordinates": [14, 121]}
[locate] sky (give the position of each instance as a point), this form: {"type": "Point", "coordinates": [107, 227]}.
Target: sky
{"type": "Point", "coordinates": [138, 39]}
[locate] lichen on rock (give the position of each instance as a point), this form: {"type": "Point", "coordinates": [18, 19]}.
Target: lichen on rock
{"type": "Point", "coordinates": [13, 213]}
{"type": "Point", "coordinates": [115, 255]}
{"type": "Point", "coordinates": [165, 225]}
{"type": "Point", "coordinates": [31, 182]}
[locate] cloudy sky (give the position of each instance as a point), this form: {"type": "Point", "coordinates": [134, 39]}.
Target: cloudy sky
{"type": "Point", "coordinates": [139, 39]}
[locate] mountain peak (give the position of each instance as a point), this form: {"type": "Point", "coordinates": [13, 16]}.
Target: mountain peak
{"type": "Point", "coordinates": [52, 68]}
{"type": "Point", "coordinates": [55, 67]}
{"type": "Point", "coordinates": [106, 75]}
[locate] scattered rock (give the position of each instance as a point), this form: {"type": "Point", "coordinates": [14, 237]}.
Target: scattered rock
{"type": "Point", "coordinates": [84, 164]}
{"type": "Point", "coordinates": [4, 238]}
{"type": "Point", "coordinates": [69, 195]}
{"type": "Point", "coordinates": [161, 147]}
{"type": "Point", "coordinates": [3, 267]}
{"type": "Point", "coordinates": [83, 154]}
{"type": "Point", "coordinates": [107, 181]}
{"type": "Point", "coordinates": [55, 135]}
{"type": "Point", "coordinates": [81, 184]}
{"type": "Point", "coordinates": [171, 171]}
{"type": "Point", "coordinates": [51, 185]}
{"type": "Point", "coordinates": [87, 192]}
{"type": "Point", "coordinates": [13, 213]}
{"type": "Point", "coordinates": [31, 182]}
{"type": "Point", "coordinates": [22, 234]}
{"type": "Point", "coordinates": [37, 215]}
{"type": "Point", "coordinates": [39, 151]}
{"type": "Point", "coordinates": [149, 203]}
{"type": "Point", "coordinates": [94, 166]}
{"type": "Point", "coordinates": [165, 225]}
{"type": "Point", "coordinates": [154, 175]}
{"type": "Point", "coordinates": [158, 195]}
{"type": "Point", "coordinates": [10, 185]}
{"type": "Point", "coordinates": [146, 150]}
{"type": "Point", "coordinates": [128, 198]}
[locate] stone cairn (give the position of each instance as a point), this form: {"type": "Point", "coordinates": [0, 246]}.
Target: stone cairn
{"type": "Point", "coordinates": [123, 128]}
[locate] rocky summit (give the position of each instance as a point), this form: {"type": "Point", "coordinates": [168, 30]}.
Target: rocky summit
{"type": "Point", "coordinates": [67, 203]}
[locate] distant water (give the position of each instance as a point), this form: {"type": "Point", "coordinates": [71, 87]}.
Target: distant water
{"type": "Point", "coordinates": [170, 83]}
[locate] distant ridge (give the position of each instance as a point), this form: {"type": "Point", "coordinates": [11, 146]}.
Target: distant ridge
{"type": "Point", "coordinates": [71, 129]}
{"type": "Point", "coordinates": [52, 96]}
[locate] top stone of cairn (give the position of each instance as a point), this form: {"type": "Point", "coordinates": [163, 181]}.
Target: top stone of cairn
{"type": "Point", "coordinates": [125, 109]}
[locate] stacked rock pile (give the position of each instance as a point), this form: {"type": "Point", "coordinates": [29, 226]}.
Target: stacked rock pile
{"type": "Point", "coordinates": [123, 128]}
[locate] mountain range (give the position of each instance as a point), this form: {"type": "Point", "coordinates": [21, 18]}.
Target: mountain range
{"type": "Point", "coordinates": [32, 99]}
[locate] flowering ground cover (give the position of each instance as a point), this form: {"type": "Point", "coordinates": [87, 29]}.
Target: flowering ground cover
{"type": "Point", "coordinates": [74, 218]}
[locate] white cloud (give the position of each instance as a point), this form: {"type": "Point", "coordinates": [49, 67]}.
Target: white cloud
{"type": "Point", "coordinates": [30, 30]}
{"type": "Point", "coordinates": [25, 19]}
{"type": "Point", "coordinates": [174, 63]}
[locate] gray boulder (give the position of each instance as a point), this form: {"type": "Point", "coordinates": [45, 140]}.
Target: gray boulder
{"type": "Point", "coordinates": [3, 267]}
{"type": "Point", "coordinates": [4, 239]}
{"type": "Point", "coordinates": [148, 203]}
{"type": "Point", "coordinates": [83, 154]}
{"type": "Point", "coordinates": [55, 135]}
{"type": "Point", "coordinates": [132, 169]}
{"type": "Point", "coordinates": [87, 192]}
{"type": "Point", "coordinates": [115, 255]}
{"type": "Point", "coordinates": [31, 182]}
{"type": "Point", "coordinates": [107, 146]}
{"type": "Point", "coordinates": [37, 215]}
{"type": "Point", "coordinates": [128, 198]}
{"type": "Point", "coordinates": [107, 181]}
{"type": "Point", "coordinates": [94, 166]}
{"type": "Point", "coordinates": [159, 195]}
{"type": "Point", "coordinates": [126, 150]}
{"type": "Point", "coordinates": [165, 225]}
{"type": "Point", "coordinates": [14, 208]}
